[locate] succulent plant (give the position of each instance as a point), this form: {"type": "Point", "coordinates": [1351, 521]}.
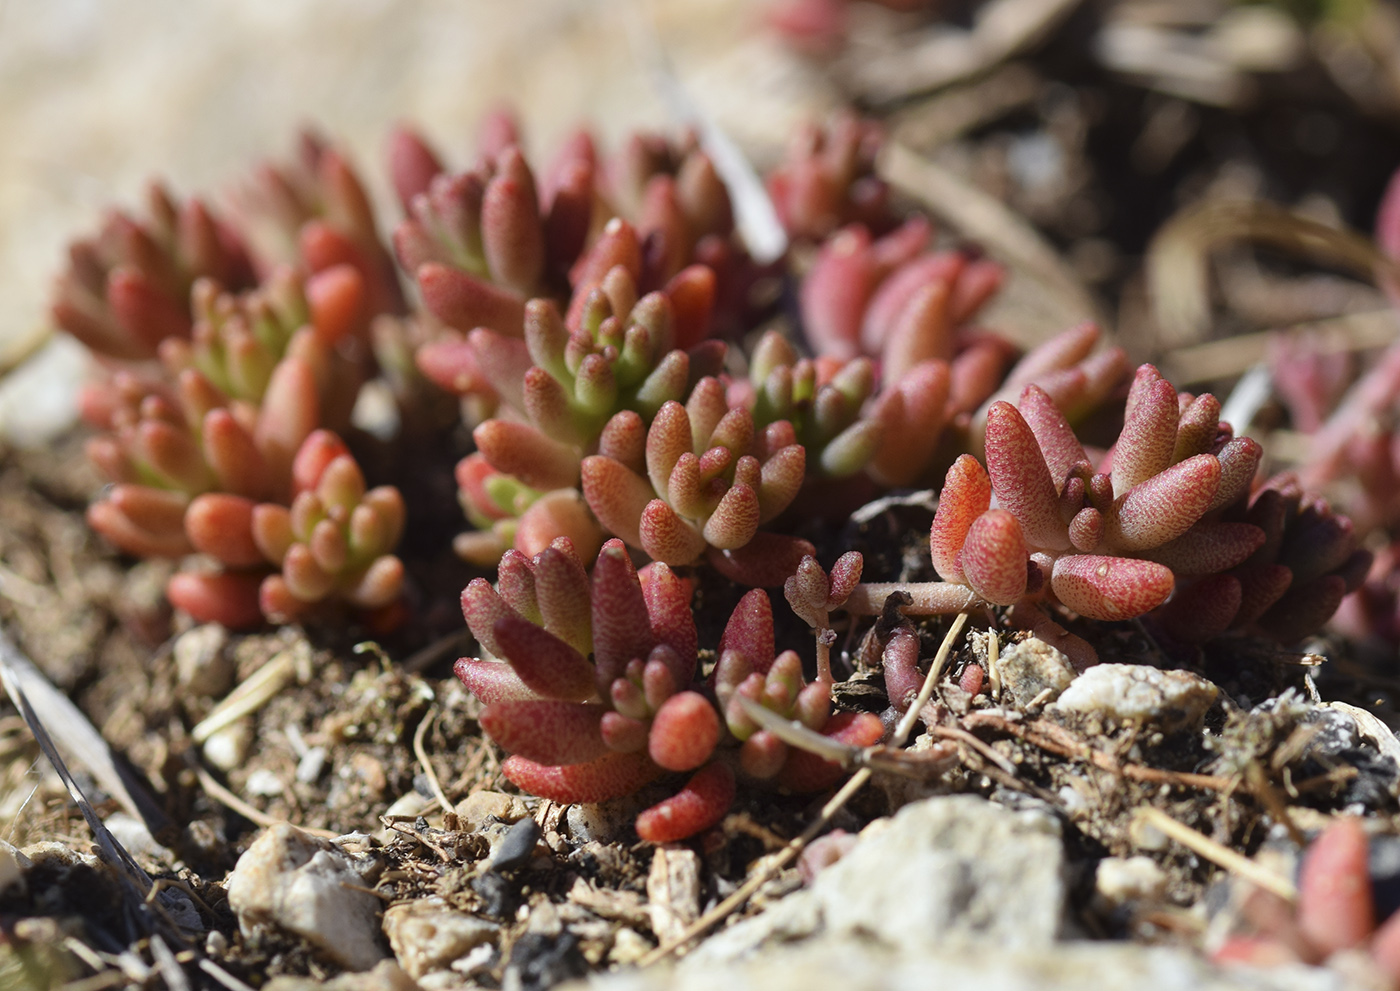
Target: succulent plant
{"type": "Point", "coordinates": [592, 693]}
{"type": "Point", "coordinates": [1335, 915]}
{"type": "Point", "coordinates": [827, 179]}
{"type": "Point", "coordinates": [1167, 515]}
{"type": "Point", "coordinates": [127, 289]}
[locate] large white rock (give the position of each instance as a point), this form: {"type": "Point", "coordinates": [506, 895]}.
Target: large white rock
{"type": "Point", "coordinates": [311, 887]}
{"type": "Point", "coordinates": [1141, 694]}
{"type": "Point", "coordinates": [955, 868]}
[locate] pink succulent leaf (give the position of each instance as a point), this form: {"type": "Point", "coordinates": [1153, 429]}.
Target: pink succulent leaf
{"type": "Point", "coordinates": [234, 456]}
{"type": "Point", "coordinates": [734, 521]}
{"type": "Point", "coordinates": [561, 588]}
{"type": "Point", "coordinates": [836, 291]}
{"type": "Point", "coordinates": [1239, 460]}
{"type": "Point", "coordinates": [912, 413]}
{"type": "Point", "coordinates": [966, 494]}
{"type": "Point", "coordinates": [610, 776]}
{"type": "Point", "coordinates": [523, 451]}
{"type": "Point", "coordinates": [1021, 479]}
{"type": "Point", "coordinates": [221, 525]}
{"type": "Point", "coordinates": [762, 755]}
{"type": "Point", "coordinates": [511, 232]}
{"type": "Point", "coordinates": [482, 607]}
{"type": "Point", "coordinates": [1145, 446]}
{"type": "Point", "coordinates": [1202, 610]}
{"type": "Point", "coordinates": [807, 591]}
{"type": "Point", "coordinates": [666, 537]}
{"type": "Point", "coordinates": [1086, 530]}
{"type": "Point", "coordinates": [621, 625]}
{"type": "Point", "coordinates": [1110, 588]}
{"type": "Point", "coordinates": [545, 663]}
{"type": "Point", "coordinates": [616, 496]}
{"type": "Point", "coordinates": [1335, 909]}
{"type": "Point", "coordinates": [1058, 445]}
{"type": "Point", "coordinates": [993, 558]}
{"type": "Point", "coordinates": [226, 597]}
{"type": "Point", "coordinates": [1065, 350]}
{"type": "Point", "coordinates": [764, 562]}
{"type": "Point", "coordinates": [845, 575]}
{"type": "Point", "coordinates": [547, 731]}
{"type": "Point", "coordinates": [463, 301]}
{"type": "Point", "coordinates": [412, 164]}
{"type": "Point", "coordinates": [1208, 548]}
{"type": "Point", "coordinates": [1164, 506]}
{"type": "Point", "coordinates": [1198, 425]}
{"type": "Point", "coordinates": [142, 520]}
{"type": "Point", "coordinates": [561, 513]}
{"type": "Point", "coordinates": [670, 617]}
{"type": "Point", "coordinates": [684, 732]}
{"type": "Point", "coordinates": [700, 805]}
{"type": "Point", "coordinates": [781, 478]}
{"type": "Point", "coordinates": [623, 733]}
{"type": "Point", "coordinates": [749, 632]}
{"type": "Point", "coordinates": [515, 583]}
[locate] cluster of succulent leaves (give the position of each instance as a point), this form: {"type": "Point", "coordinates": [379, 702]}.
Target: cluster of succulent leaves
{"type": "Point", "coordinates": [587, 319]}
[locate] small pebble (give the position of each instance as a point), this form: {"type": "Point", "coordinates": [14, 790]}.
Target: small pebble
{"type": "Point", "coordinates": [517, 847]}
{"type": "Point", "coordinates": [228, 748]}
{"type": "Point", "coordinates": [1119, 880]}
{"type": "Point", "coordinates": [202, 666]}
{"type": "Point", "coordinates": [1031, 668]}
{"type": "Point", "coordinates": [480, 806]}
{"type": "Point", "coordinates": [265, 783]}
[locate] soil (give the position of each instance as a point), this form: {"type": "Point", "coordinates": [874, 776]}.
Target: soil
{"type": "Point", "coordinates": [337, 748]}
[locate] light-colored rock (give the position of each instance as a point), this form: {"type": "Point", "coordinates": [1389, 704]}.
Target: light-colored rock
{"type": "Point", "coordinates": [1032, 668]}
{"type": "Point", "coordinates": [956, 866]}
{"type": "Point", "coordinates": [1119, 880]}
{"type": "Point", "coordinates": [428, 935]}
{"type": "Point", "coordinates": [310, 887]}
{"type": "Point", "coordinates": [384, 976]}
{"type": "Point", "coordinates": [601, 822]}
{"type": "Point", "coordinates": [228, 747]}
{"type": "Point", "coordinates": [202, 666]}
{"type": "Point", "coordinates": [854, 964]}
{"type": "Point", "coordinates": [1141, 694]}
{"type": "Point", "coordinates": [479, 806]}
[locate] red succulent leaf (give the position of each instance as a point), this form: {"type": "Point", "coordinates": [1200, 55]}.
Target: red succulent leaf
{"type": "Point", "coordinates": [1059, 447]}
{"type": "Point", "coordinates": [1110, 588]}
{"type": "Point", "coordinates": [1164, 506]}
{"type": "Point", "coordinates": [1303, 608]}
{"type": "Point", "coordinates": [749, 631]}
{"type": "Point", "coordinates": [547, 731]}
{"type": "Point", "coordinates": [672, 622]}
{"type": "Point", "coordinates": [666, 537]}
{"type": "Point", "coordinates": [227, 597]}
{"type": "Point", "coordinates": [491, 681]}
{"type": "Point", "coordinates": [966, 494]}
{"type": "Point", "coordinates": [481, 608]}
{"type": "Point", "coordinates": [684, 732]}
{"type": "Point", "coordinates": [544, 662]}
{"type": "Point", "coordinates": [616, 496]}
{"type": "Point", "coordinates": [1148, 438]}
{"type": "Point", "coordinates": [1335, 912]}
{"type": "Point", "coordinates": [221, 525]}
{"type": "Point", "coordinates": [994, 556]}
{"type": "Point", "coordinates": [1209, 548]}
{"type": "Point", "coordinates": [621, 625]}
{"type": "Point", "coordinates": [701, 804]}
{"type": "Point", "coordinates": [610, 776]}
{"type": "Point", "coordinates": [1021, 478]}
{"type": "Point", "coordinates": [463, 301]}
{"type": "Point", "coordinates": [1261, 586]}
{"type": "Point", "coordinates": [524, 451]}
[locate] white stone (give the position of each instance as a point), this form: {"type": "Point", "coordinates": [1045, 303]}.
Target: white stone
{"type": "Point", "coordinates": [1119, 880]}
{"type": "Point", "coordinates": [228, 748]}
{"type": "Point", "coordinates": [428, 935]}
{"type": "Point", "coordinates": [310, 887]}
{"type": "Point", "coordinates": [958, 867]}
{"type": "Point", "coordinates": [264, 783]}
{"type": "Point", "coordinates": [1141, 694]}
{"type": "Point", "coordinates": [13, 866]}
{"type": "Point", "coordinates": [202, 666]}
{"type": "Point", "coordinates": [1032, 668]}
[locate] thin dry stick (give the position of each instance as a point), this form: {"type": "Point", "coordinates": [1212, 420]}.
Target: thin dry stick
{"type": "Point", "coordinates": [1217, 853]}
{"type": "Point", "coordinates": [427, 765]}
{"type": "Point", "coordinates": [834, 805]}
{"type": "Point", "coordinates": [225, 797]}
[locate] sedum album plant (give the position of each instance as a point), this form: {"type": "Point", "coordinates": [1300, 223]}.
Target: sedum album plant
{"type": "Point", "coordinates": [632, 393]}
